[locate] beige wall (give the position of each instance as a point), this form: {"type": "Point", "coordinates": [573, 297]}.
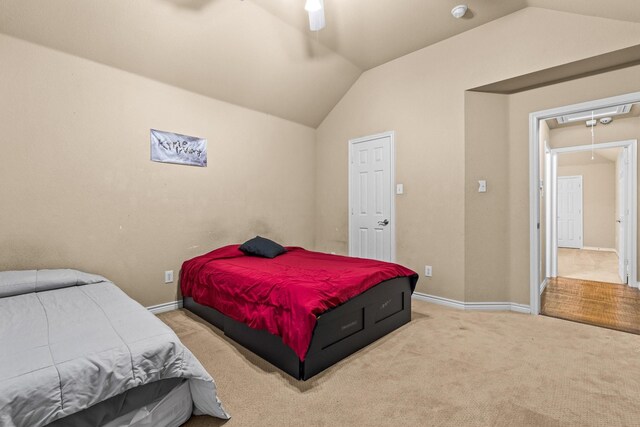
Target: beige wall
{"type": "Point", "coordinates": [598, 201]}
{"type": "Point", "coordinates": [84, 193]}
{"type": "Point", "coordinates": [80, 191]}
{"type": "Point", "coordinates": [486, 142]}
{"type": "Point", "coordinates": [421, 97]}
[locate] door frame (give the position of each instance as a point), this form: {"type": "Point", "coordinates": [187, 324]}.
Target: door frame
{"type": "Point", "coordinates": [622, 245]}
{"type": "Point", "coordinates": [554, 214]}
{"type": "Point", "coordinates": [534, 182]}
{"type": "Point", "coordinates": [392, 175]}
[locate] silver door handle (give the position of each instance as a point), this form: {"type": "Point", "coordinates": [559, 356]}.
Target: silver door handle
{"type": "Point", "coordinates": [385, 222]}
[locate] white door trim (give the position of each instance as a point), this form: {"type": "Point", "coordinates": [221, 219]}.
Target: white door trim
{"type": "Point", "coordinates": [534, 182]}
{"type": "Point", "coordinates": [548, 197]}
{"type": "Point", "coordinates": [555, 184]}
{"type": "Point", "coordinates": [622, 193]}
{"type": "Point", "coordinates": [392, 172]}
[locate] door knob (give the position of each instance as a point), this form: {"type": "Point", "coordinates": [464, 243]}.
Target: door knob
{"type": "Point", "coordinates": [385, 222]}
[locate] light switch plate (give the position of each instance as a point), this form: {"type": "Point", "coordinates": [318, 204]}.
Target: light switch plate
{"type": "Point", "coordinates": [482, 186]}
{"type": "Point", "coordinates": [168, 276]}
{"type": "Point", "coordinates": [399, 188]}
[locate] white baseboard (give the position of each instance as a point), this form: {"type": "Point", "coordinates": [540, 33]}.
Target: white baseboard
{"type": "Point", "coordinates": [543, 286]}
{"type": "Point", "coordinates": [167, 306]}
{"type": "Point", "coordinates": [477, 306]}
{"type": "Point", "coordinates": [438, 300]}
{"type": "Point", "coordinates": [592, 248]}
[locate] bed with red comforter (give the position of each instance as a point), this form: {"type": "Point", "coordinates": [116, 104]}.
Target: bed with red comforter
{"type": "Point", "coordinates": [286, 295]}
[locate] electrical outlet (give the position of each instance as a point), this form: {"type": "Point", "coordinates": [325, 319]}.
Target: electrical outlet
{"type": "Point", "coordinates": [168, 276]}
{"type": "Point", "coordinates": [428, 271]}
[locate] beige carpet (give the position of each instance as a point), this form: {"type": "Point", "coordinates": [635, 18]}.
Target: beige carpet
{"type": "Point", "coordinates": [598, 266]}
{"type": "Point", "coordinates": [446, 368]}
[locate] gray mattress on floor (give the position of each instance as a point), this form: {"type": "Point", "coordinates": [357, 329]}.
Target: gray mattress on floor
{"type": "Point", "coordinates": [71, 340]}
{"type": "Point", "coordinates": [110, 409]}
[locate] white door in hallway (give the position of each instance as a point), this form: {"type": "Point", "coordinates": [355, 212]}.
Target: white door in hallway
{"type": "Point", "coordinates": [623, 215]}
{"type": "Point", "coordinates": [570, 212]}
{"type": "Point", "coordinates": [371, 213]}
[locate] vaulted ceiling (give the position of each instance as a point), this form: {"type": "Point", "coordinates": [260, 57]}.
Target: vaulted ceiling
{"type": "Point", "coordinates": [259, 53]}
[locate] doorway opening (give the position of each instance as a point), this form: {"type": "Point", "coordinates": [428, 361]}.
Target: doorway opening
{"type": "Point", "coordinates": [583, 223]}
{"type": "Point", "coordinates": [591, 194]}
{"type": "Point", "coordinates": [592, 201]}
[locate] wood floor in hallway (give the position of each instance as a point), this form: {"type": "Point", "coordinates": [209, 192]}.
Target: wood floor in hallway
{"type": "Point", "coordinates": [608, 305]}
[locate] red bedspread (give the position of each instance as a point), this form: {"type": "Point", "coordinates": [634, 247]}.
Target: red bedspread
{"type": "Point", "coordinates": [282, 295]}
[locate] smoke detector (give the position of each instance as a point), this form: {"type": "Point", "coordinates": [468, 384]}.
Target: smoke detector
{"type": "Point", "coordinates": [459, 11]}
{"type": "Point", "coordinates": [606, 120]}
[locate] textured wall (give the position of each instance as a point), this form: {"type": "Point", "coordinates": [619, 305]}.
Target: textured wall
{"type": "Point", "coordinates": [78, 188]}
{"type": "Point", "coordinates": [81, 189]}
{"type": "Point", "coordinates": [421, 97]}
{"type": "Point", "coordinates": [486, 214]}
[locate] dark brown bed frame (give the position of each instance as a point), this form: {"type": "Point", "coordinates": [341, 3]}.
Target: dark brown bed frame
{"type": "Point", "coordinates": [339, 332]}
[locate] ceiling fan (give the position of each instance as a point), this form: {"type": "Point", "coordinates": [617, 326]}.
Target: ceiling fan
{"type": "Point", "coordinates": [315, 8]}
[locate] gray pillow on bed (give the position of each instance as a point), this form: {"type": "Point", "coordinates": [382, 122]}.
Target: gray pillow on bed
{"type": "Point", "coordinates": [259, 246]}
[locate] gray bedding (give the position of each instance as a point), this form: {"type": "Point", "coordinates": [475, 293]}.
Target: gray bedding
{"type": "Point", "coordinates": [114, 407]}
{"type": "Point", "coordinates": [69, 340]}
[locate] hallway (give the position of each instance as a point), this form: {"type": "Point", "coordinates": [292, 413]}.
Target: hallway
{"type": "Point", "coordinates": [598, 266]}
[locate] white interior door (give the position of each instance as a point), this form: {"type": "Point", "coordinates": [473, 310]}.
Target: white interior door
{"type": "Point", "coordinates": [371, 179]}
{"type": "Point", "coordinates": [623, 214]}
{"type": "Point", "coordinates": [570, 212]}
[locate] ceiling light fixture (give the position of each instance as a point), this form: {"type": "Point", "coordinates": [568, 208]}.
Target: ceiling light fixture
{"type": "Point", "coordinates": [459, 11]}
{"type": "Point", "coordinates": [315, 8]}
{"type": "Point", "coordinates": [312, 5]}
